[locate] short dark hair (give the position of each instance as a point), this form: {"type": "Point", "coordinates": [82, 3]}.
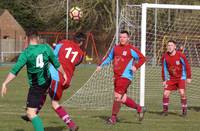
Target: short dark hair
{"type": "Point", "coordinates": [32, 34]}
{"type": "Point", "coordinates": [172, 41]}
{"type": "Point", "coordinates": [124, 32]}
{"type": "Point", "coordinates": [79, 37]}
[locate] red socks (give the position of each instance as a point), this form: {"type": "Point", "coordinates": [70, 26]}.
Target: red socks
{"type": "Point", "coordinates": [131, 103]}
{"type": "Point", "coordinates": [65, 116]}
{"type": "Point", "coordinates": [184, 105]}
{"type": "Point", "coordinates": [116, 107]}
{"type": "Point", "coordinates": [165, 104]}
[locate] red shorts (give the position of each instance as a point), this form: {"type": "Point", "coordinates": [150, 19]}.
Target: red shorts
{"type": "Point", "coordinates": [175, 84]}
{"type": "Point", "coordinates": [121, 85]}
{"type": "Point", "coordinates": [57, 88]}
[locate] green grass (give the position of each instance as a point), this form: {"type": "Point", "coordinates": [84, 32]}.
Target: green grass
{"type": "Point", "coordinates": [11, 107]}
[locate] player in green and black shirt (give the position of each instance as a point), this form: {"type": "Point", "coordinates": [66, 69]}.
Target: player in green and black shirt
{"type": "Point", "coordinates": [36, 57]}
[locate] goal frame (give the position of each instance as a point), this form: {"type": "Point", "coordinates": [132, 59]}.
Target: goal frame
{"type": "Point", "coordinates": [145, 7]}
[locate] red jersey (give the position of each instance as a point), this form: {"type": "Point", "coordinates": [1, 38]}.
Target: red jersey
{"type": "Point", "coordinates": [124, 57]}
{"type": "Point", "coordinates": [175, 67]}
{"type": "Point", "coordinates": [69, 55]}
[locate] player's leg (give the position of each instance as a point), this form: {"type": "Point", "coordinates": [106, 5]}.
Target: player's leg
{"type": "Point", "coordinates": [183, 97]}
{"type": "Point", "coordinates": [33, 101]}
{"type": "Point", "coordinates": [115, 109]}
{"type": "Point", "coordinates": [117, 100]}
{"type": "Point", "coordinates": [35, 119]}
{"type": "Point", "coordinates": [55, 93]}
{"type": "Point", "coordinates": [64, 115]}
{"type": "Point", "coordinates": [42, 101]}
{"type": "Point", "coordinates": [132, 104]}
{"type": "Point", "coordinates": [121, 86]}
{"type": "Point", "coordinates": [120, 92]}
{"type": "Point", "coordinates": [116, 106]}
{"type": "Point", "coordinates": [165, 102]}
{"type": "Point", "coordinates": [170, 86]}
{"type": "Point", "coordinates": [183, 101]}
{"type": "Point", "coordinates": [44, 96]}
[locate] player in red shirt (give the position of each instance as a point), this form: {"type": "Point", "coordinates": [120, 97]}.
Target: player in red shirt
{"type": "Point", "coordinates": [70, 55]}
{"type": "Point", "coordinates": [127, 59]}
{"type": "Point", "coordinates": [176, 72]}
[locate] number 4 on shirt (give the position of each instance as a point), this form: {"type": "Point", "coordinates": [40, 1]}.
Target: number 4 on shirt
{"type": "Point", "coordinates": [39, 61]}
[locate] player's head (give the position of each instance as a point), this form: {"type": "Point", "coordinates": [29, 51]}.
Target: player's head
{"type": "Point", "coordinates": [124, 37]}
{"type": "Point", "coordinates": [33, 36]}
{"type": "Point", "coordinates": [171, 46]}
{"type": "Point", "coordinates": [79, 37]}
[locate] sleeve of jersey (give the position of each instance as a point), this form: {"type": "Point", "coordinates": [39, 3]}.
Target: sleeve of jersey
{"type": "Point", "coordinates": [165, 72]}
{"type": "Point", "coordinates": [186, 66]}
{"type": "Point", "coordinates": [20, 63]}
{"type": "Point", "coordinates": [107, 60]}
{"type": "Point", "coordinates": [56, 50]}
{"type": "Point", "coordinates": [53, 58]}
{"type": "Point", "coordinates": [137, 55]}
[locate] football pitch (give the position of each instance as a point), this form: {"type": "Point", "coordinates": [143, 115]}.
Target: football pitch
{"type": "Point", "coordinates": [12, 107]}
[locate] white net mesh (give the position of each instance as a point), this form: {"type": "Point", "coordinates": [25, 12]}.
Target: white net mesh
{"type": "Point", "coordinates": [179, 25]}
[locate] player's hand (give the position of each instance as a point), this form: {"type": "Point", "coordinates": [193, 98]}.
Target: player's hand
{"type": "Point", "coordinates": [134, 69]}
{"type": "Point", "coordinates": [65, 79]}
{"type": "Point", "coordinates": [98, 68]}
{"type": "Point", "coordinates": [3, 89]}
{"type": "Point", "coordinates": [189, 81]}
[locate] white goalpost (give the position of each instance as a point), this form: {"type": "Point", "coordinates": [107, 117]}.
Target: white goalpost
{"type": "Point", "coordinates": [150, 27]}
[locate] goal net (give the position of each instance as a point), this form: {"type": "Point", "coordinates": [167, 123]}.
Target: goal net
{"type": "Point", "coordinates": [150, 26]}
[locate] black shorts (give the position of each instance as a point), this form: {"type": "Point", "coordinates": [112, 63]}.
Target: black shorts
{"type": "Point", "coordinates": [36, 94]}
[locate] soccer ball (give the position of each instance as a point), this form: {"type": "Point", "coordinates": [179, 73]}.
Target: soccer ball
{"type": "Point", "coordinates": [75, 13]}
